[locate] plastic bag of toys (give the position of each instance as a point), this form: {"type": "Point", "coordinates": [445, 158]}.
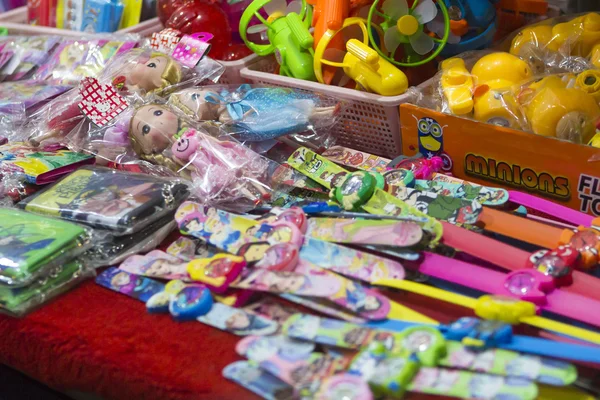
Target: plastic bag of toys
{"type": "Point", "coordinates": [564, 106]}
{"type": "Point", "coordinates": [502, 89]}
{"type": "Point", "coordinates": [74, 59]}
{"type": "Point", "coordinates": [253, 113]}
{"type": "Point", "coordinates": [568, 39]}
{"type": "Point", "coordinates": [97, 102]}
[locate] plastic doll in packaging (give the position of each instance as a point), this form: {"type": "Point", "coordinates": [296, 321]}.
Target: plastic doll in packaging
{"type": "Point", "coordinates": [259, 113]}
{"type": "Point", "coordinates": [59, 117]}
{"type": "Point", "coordinates": [154, 75]}
{"type": "Point", "coordinates": [152, 130]}
{"type": "Point", "coordinates": [222, 167]}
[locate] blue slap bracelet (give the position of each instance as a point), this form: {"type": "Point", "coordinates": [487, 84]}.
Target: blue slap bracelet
{"type": "Point", "coordinates": [476, 333]}
{"type": "Point", "coordinates": [191, 302]}
{"type": "Point", "coordinates": [185, 303]}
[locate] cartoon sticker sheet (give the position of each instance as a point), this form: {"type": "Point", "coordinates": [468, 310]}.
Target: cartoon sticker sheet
{"type": "Point", "coordinates": [39, 167]}
{"type": "Point", "coordinates": [108, 199]}
{"type": "Point", "coordinates": [28, 242]}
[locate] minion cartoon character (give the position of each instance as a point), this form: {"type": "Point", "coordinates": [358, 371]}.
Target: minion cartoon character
{"type": "Point", "coordinates": [430, 137]}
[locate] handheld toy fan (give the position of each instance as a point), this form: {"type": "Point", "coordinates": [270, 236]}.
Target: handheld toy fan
{"type": "Point", "coordinates": [287, 33]}
{"type": "Point", "coordinates": [472, 26]}
{"type": "Point", "coordinates": [406, 26]}
{"type": "Point", "coordinates": [359, 62]}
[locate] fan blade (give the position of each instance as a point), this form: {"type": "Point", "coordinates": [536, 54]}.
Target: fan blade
{"type": "Point", "coordinates": [452, 38]}
{"type": "Point", "coordinates": [294, 6]}
{"type": "Point", "coordinates": [352, 32]}
{"type": "Point", "coordinates": [335, 55]}
{"type": "Point", "coordinates": [392, 40]}
{"type": "Point", "coordinates": [344, 79]}
{"type": "Point", "coordinates": [421, 43]}
{"type": "Point", "coordinates": [425, 11]}
{"type": "Point", "coordinates": [437, 26]}
{"type": "Point", "coordinates": [275, 6]}
{"type": "Point", "coordinates": [257, 28]}
{"type": "Point", "coordinates": [395, 8]}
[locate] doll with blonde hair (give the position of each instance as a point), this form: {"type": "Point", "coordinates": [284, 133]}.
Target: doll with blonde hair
{"type": "Point", "coordinates": [152, 76]}
{"type": "Point", "coordinates": [62, 115]}
{"type": "Point", "coordinates": [152, 129]}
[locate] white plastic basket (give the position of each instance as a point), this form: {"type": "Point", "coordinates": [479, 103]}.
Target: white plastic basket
{"type": "Point", "coordinates": [370, 123]}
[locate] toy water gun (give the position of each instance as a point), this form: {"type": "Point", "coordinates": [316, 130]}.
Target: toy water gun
{"type": "Point", "coordinates": [287, 32]}
{"type": "Point", "coordinates": [359, 62]}
{"type": "Point", "coordinates": [330, 15]}
{"type": "Point", "coordinates": [579, 37]}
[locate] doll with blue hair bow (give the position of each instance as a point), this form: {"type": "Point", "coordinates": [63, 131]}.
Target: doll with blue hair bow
{"type": "Point", "coordinates": [256, 113]}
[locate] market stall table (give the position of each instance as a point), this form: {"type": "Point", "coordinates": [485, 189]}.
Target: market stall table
{"type": "Point", "coordinates": [95, 341]}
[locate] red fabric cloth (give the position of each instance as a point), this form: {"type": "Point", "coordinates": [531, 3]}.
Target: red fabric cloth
{"type": "Point", "coordinates": [97, 341]}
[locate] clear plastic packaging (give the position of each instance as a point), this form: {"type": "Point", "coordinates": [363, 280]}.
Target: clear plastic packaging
{"type": "Point", "coordinates": [39, 166]}
{"type": "Point", "coordinates": [502, 89]}
{"type": "Point", "coordinates": [256, 113]}
{"type": "Point", "coordinates": [133, 74]}
{"type": "Point", "coordinates": [564, 106]}
{"type": "Point", "coordinates": [121, 202]}
{"type": "Point", "coordinates": [20, 301]}
{"type": "Point", "coordinates": [110, 250]}
{"type": "Point", "coordinates": [559, 40]}
{"type": "Point", "coordinates": [21, 99]}
{"type": "Point", "coordinates": [27, 54]}
{"type": "Point", "coordinates": [73, 60]}
{"type": "Point", "coordinates": [31, 245]}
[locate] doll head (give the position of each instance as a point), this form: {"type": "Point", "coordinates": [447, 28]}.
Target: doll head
{"type": "Point", "coordinates": [159, 72]}
{"type": "Point", "coordinates": [192, 103]}
{"type": "Point", "coordinates": [152, 128]}
{"type": "Point", "coordinates": [151, 131]}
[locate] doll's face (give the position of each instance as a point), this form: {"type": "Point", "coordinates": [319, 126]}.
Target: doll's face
{"type": "Point", "coordinates": [153, 127]}
{"type": "Point", "coordinates": [194, 100]}
{"type": "Point", "coordinates": [148, 75]}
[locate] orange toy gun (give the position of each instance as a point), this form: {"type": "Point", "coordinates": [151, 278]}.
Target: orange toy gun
{"type": "Point", "coordinates": [330, 15]}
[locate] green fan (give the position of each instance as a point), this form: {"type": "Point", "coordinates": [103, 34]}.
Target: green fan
{"type": "Point", "coordinates": [406, 26]}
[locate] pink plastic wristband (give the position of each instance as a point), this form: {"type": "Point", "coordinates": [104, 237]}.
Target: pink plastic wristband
{"type": "Point", "coordinates": [528, 285]}
{"type": "Point", "coordinates": [511, 258]}
{"type": "Point", "coordinates": [564, 213]}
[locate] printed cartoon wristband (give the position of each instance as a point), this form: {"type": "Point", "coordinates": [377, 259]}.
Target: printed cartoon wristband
{"type": "Point", "coordinates": [512, 258]}
{"type": "Point", "coordinates": [520, 343]}
{"type": "Point", "coordinates": [527, 285]}
{"type": "Point", "coordinates": [520, 228]}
